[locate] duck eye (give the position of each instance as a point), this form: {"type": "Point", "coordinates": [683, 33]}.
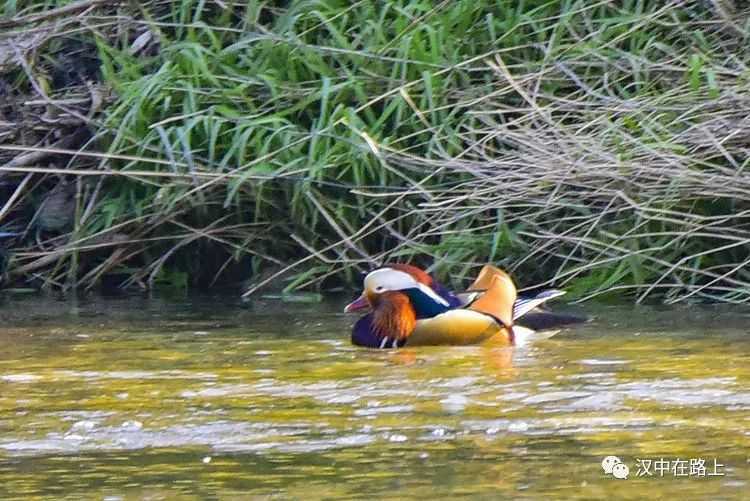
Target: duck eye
{"type": "Point", "coordinates": [379, 288]}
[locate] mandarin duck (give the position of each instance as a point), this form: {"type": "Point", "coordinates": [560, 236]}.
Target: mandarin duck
{"type": "Point", "coordinates": [410, 308]}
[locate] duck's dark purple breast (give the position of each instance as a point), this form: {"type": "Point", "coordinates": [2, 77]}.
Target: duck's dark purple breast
{"type": "Point", "coordinates": [363, 334]}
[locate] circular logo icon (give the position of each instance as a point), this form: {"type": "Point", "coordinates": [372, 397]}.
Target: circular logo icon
{"type": "Point", "coordinates": [609, 462]}
{"type": "Point", "coordinates": [620, 470]}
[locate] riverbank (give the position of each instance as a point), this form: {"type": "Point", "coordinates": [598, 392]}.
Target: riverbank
{"type": "Point", "coordinates": [600, 148]}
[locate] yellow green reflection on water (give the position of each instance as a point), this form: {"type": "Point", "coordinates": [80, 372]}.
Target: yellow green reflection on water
{"type": "Point", "coordinates": [136, 398]}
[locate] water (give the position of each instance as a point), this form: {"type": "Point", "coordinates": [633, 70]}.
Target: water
{"type": "Point", "coordinates": [208, 398]}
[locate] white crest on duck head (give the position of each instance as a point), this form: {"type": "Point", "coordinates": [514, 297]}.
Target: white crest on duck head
{"type": "Point", "coordinates": [387, 279]}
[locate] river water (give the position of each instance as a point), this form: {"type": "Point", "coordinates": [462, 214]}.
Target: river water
{"type": "Point", "coordinates": [195, 398]}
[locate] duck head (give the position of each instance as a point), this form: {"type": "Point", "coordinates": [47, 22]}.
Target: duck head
{"type": "Point", "coordinates": [397, 300]}
{"type": "Point", "coordinates": [381, 283]}
{"type": "Point", "coordinates": [397, 276]}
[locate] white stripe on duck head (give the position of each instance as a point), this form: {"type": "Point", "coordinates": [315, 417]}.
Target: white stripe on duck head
{"type": "Point", "coordinates": [424, 300]}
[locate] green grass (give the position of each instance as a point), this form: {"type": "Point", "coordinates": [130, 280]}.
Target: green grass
{"type": "Point", "coordinates": [598, 146]}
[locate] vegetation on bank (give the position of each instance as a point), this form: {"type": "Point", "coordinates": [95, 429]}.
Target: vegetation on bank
{"type": "Point", "coordinates": [598, 146]}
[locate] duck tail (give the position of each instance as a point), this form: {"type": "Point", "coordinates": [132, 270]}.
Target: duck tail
{"type": "Point", "coordinates": [526, 304]}
{"type": "Point", "coordinates": [494, 293]}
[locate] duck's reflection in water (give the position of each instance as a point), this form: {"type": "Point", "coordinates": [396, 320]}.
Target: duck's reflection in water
{"type": "Point", "coordinates": [491, 359]}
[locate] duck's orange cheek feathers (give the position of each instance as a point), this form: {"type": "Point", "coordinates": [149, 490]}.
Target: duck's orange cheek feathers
{"type": "Point", "coordinates": [398, 326]}
{"type": "Point", "coordinates": [393, 315]}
